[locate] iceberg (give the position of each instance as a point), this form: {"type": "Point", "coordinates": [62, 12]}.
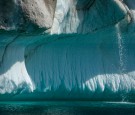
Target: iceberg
{"type": "Point", "coordinates": [67, 49]}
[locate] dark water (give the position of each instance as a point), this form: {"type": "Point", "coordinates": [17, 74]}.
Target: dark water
{"type": "Point", "coordinates": [66, 108]}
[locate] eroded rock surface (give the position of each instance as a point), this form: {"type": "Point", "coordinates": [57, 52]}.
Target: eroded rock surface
{"type": "Point", "coordinates": [26, 15]}
{"type": "Point", "coordinates": [63, 16]}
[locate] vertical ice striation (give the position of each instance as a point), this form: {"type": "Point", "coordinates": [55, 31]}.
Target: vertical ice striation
{"type": "Point", "coordinates": [85, 52]}
{"type": "Point", "coordinates": [13, 74]}
{"type": "Point", "coordinates": [84, 63]}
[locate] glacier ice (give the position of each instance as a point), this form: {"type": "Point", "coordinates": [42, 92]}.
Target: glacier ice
{"type": "Point", "coordinates": [85, 52]}
{"type": "Point", "coordinates": [69, 19]}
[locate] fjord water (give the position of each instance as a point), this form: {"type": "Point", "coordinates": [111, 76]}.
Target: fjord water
{"type": "Point", "coordinates": [66, 108]}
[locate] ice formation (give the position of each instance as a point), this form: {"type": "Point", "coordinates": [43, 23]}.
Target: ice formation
{"type": "Point", "coordinates": [68, 49]}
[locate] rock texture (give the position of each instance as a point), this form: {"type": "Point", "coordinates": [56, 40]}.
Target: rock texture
{"type": "Point", "coordinates": [63, 16]}
{"type": "Point", "coordinates": [26, 15]}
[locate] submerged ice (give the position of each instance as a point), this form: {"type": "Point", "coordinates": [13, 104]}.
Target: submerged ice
{"type": "Point", "coordinates": [86, 52]}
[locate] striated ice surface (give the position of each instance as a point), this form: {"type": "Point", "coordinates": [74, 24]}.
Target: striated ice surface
{"type": "Point", "coordinates": [82, 66]}
{"type": "Point", "coordinates": [87, 53]}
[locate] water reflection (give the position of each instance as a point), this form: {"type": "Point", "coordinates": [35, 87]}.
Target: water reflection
{"type": "Point", "coordinates": [66, 108]}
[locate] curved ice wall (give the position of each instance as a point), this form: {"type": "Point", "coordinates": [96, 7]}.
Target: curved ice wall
{"type": "Point", "coordinates": [67, 49]}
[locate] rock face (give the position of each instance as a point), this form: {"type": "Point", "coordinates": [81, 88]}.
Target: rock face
{"type": "Point", "coordinates": [26, 15]}
{"type": "Point", "coordinates": [67, 16]}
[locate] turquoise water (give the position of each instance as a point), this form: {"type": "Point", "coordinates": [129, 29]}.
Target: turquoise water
{"type": "Point", "coordinates": [67, 108]}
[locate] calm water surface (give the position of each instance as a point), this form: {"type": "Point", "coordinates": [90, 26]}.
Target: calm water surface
{"type": "Point", "coordinates": [66, 108]}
